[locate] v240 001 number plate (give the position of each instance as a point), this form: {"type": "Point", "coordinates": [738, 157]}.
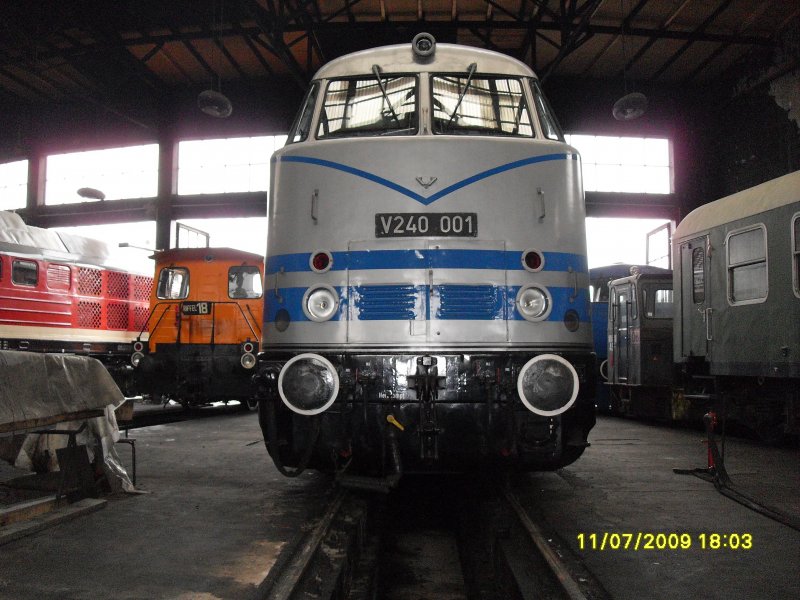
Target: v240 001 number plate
{"type": "Point", "coordinates": [426, 224]}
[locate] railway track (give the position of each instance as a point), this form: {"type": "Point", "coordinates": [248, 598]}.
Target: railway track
{"type": "Point", "coordinates": [431, 539]}
{"type": "Point", "coordinates": [148, 415]}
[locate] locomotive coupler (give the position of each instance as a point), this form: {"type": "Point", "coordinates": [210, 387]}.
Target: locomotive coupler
{"type": "Point", "coordinates": [427, 382]}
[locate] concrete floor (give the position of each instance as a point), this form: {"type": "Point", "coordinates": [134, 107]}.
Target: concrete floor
{"type": "Point", "coordinates": [218, 514]}
{"type": "Point", "coordinates": [624, 483]}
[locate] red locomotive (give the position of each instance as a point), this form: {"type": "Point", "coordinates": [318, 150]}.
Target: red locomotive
{"type": "Point", "coordinates": [59, 294]}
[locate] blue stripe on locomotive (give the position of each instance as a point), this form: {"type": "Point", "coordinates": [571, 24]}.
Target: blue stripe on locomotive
{"type": "Point", "coordinates": [398, 302]}
{"type": "Point", "coordinates": [426, 200]}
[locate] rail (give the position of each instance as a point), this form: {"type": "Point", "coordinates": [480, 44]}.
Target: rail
{"type": "Point", "coordinates": [454, 537]}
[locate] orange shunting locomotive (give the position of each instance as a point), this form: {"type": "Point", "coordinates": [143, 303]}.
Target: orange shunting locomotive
{"type": "Point", "coordinates": [204, 326]}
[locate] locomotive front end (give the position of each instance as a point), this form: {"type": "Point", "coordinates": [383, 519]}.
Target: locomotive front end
{"type": "Point", "coordinates": [426, 303]}
{"type": "Point", "coordinates": [204, 327]}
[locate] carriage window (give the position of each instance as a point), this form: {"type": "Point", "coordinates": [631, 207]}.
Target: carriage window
{"type": "Point", "coordinates": [747, 265]}
{"type": "Point", "coordinates": [370, 105]}
{"type": "Point", "coordinates": [302, 124]}
{"type": "Point", "coordinates": [481, 105]}
{"type": "Point", "coordinates": [244, 282]}
{"type": "Point", "coordinates": [658, 302]}
{"type": "Point", "coordinates": [698, 276]}
{"type": "Point", "coordinates": [796, 253]}
{"type": "Point", "coordinates": [550, 126]}
{"type": "Point", "coordinates": [173, 283]}
{"type": "Point", "coordinates": [25, 272]}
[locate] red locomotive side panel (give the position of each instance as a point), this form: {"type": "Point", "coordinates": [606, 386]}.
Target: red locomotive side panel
{"type": "Point", "coordinates": [50, 306]}
{"type": "Point", "coordinates": [26, 298]}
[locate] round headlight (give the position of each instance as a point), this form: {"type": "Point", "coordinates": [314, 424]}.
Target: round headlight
{"type": "Point", "coordinates": [136, 358]}
{"type": "Point", "coordinates": [320, 303]}
{"type": "Point", "coordinates": [308, 384]}
{"type": "Point", "coordinates": [248, 361]}
{"type": "Point", "coordinates": [548, 385]}
{"type": "Point", "coordinates": [533, 303]}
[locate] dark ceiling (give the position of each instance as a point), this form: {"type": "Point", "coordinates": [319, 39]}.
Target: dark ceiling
{"type": "Point", "coordinates": [132, 62]}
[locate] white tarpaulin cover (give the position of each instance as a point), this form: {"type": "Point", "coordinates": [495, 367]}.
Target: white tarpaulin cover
{"type": "Point", "coordinates": [42, 386]}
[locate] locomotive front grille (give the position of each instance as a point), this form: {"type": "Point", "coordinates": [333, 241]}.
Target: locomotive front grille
{"type": "Point", "coordinates": [481, 302]}
{"type": "Point", "coordinates": [385, 302]}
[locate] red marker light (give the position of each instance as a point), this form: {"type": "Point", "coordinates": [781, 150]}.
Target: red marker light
{"type": "Point", "coordinates": [321, 261]}
{"type": "Point", "coordinates": [532, 260]}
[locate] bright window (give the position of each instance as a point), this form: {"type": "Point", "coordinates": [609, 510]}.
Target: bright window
{"type": "Point", "coordinates": [173, 283]}
{"type": "Point", "coordinates": [747, 265]}
{"type": "Point", "coordinates": [658, 302]}
{"type": "Point", "coordinates": [244, 282]}
{"type": "Point", "coordinates": [130, 172]}
{"type": "Point", "coordinates": [139, 237]}
{"type": "Point", "coordinates": [482, 105]}
{"type": "Point", "coordinates": [226, 165]}
{"type": "Point", "coordinates": [624, 164]}
{"type": "Point", "coordinates": [13, 184]}
{"type": "Point", "coordinates": [385, 105]}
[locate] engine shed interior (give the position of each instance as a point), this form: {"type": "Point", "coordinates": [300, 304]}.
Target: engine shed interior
{"type": "Point", "coordinates": [679, 478]}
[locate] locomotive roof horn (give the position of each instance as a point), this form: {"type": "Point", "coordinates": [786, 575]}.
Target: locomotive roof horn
{"type": "Point", "coordinates": [424, 45]}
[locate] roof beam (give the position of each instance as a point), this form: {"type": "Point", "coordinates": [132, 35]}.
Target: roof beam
{"type": "Point", "coordinates": [710, 19]}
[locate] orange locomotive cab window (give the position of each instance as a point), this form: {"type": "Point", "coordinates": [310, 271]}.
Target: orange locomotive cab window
{"type": "Point", "coordinates": [244, 282]}
{"type": "Point", "coordinates": [173, 283]}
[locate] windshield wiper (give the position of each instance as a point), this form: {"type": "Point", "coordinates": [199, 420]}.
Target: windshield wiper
{"type": "Point", "coordinates": [470, 72]}
{"type": "Point", "coordinates": [376, 70]}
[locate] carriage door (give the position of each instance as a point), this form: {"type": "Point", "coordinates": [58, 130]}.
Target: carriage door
{"type": "Point", "coordinates": [696, 315]}
{"type": "Point", "coordinates": [467, 304]}
{"type": "Point", "coordinates": [621, 334]}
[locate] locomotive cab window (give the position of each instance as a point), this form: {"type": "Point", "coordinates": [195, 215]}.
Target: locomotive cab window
{"type": "Point", "coordinates": [25, 272]}
{"type": "Point", "coordinates": [547, 118]}
{"type": "Point", "coordinates": [173, 283]}
{"type": "Point", "coordinates": [302, 124]}
{"type": "Point", "coordinates": [370, 105]}
{"type": "Point", "coordinates": [657, 302]}
{"type": "Point", "coordinates": [747, 265]}
{"type": "Point", "coordinates": [472, 104]}
{"type": "Point", "coordinates": [244, 282]}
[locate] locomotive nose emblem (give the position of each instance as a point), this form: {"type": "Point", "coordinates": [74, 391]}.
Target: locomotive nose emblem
{"type": "Point", "coordinates": [426, 182]}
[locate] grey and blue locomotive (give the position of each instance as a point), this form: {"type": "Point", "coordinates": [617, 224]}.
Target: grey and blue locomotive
{"type": "Point", "coordinates": [426, 304]}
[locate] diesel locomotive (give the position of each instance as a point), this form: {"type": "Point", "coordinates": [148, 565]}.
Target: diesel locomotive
{"type": "Point", "coordinates": [200, 339]}
{"type": "Point", "coordinates": [61, 293]}
{"type": "Point", "coordinates": [426, 281]}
